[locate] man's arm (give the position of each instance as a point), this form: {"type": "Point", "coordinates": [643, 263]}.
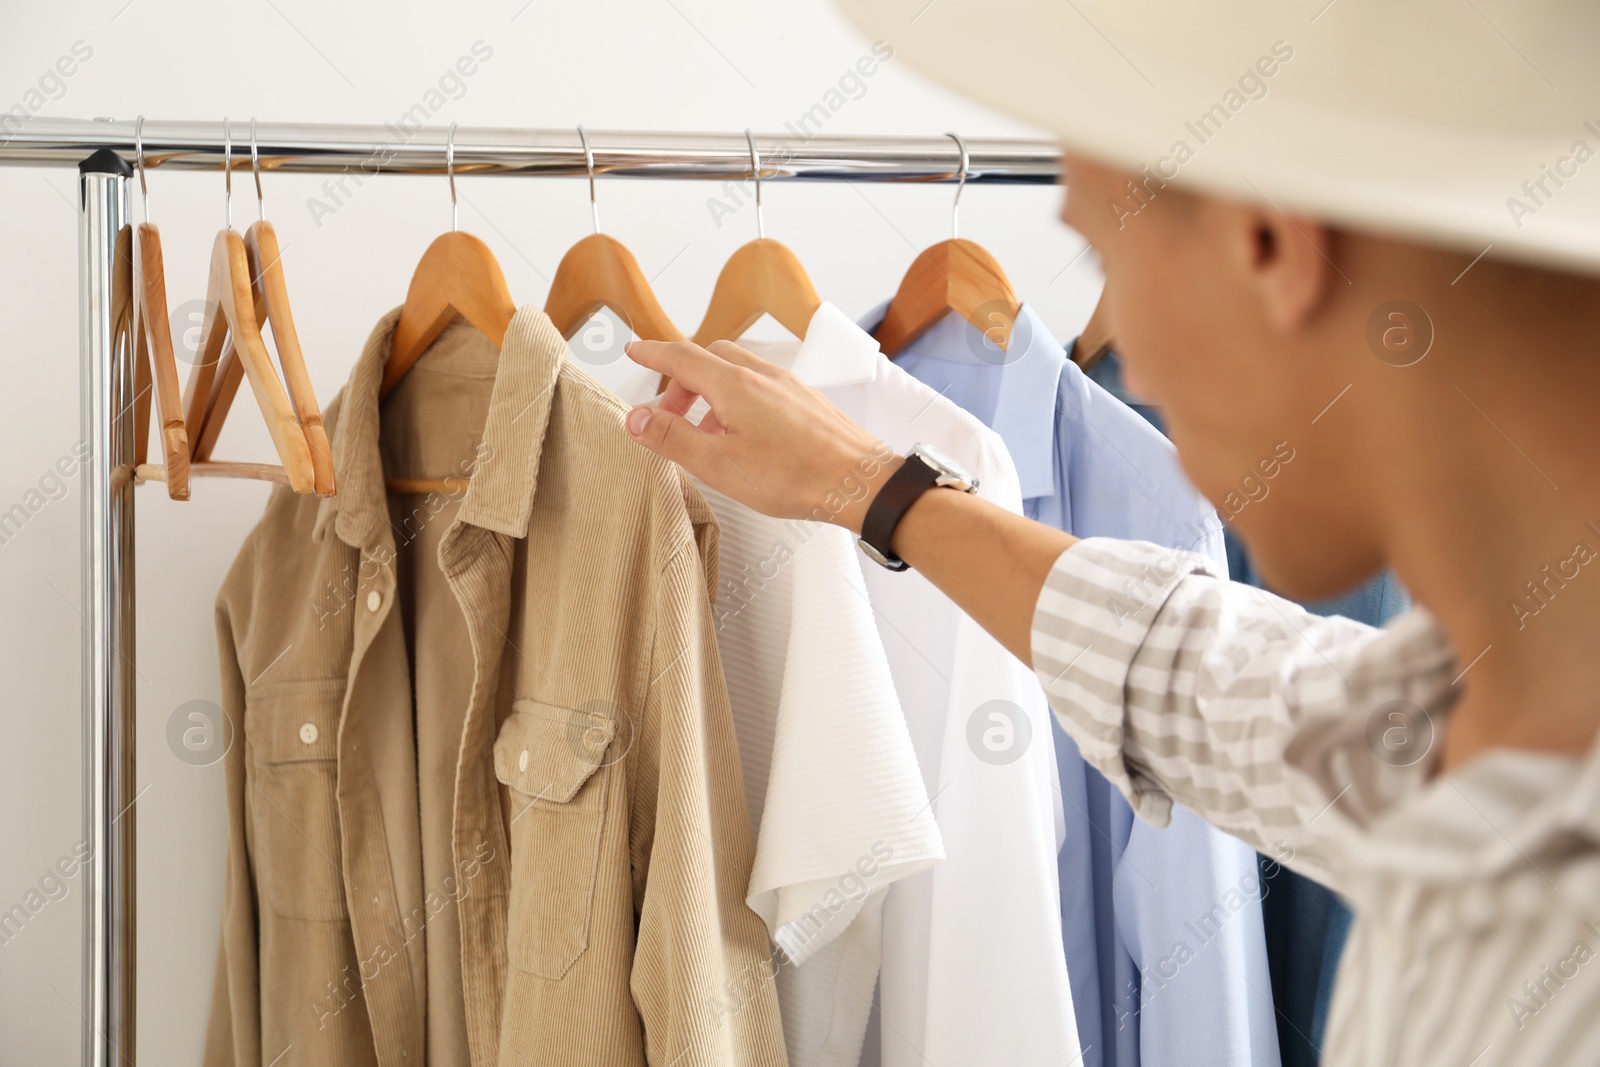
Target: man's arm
{"type": "Point", "coordinates": [991, 562]}
{"type": "Point", "coordinates": [1176, 685]}
{"type": "Point", "coordinates": [775, 444]}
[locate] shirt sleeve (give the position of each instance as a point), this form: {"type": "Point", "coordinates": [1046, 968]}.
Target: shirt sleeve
{"type": "Point", "coordinates": [1180, 686]}
{"type": "Point", "coordinates": [703, 973]}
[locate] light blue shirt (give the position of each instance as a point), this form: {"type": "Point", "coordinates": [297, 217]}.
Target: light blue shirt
{"type": "Point", "coordinates": [1161, 927]}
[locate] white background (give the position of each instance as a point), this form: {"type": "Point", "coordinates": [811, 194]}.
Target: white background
{"type": "Point", "coordinates": [640, 64]}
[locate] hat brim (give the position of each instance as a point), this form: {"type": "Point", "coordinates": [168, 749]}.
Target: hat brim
{"type": "Point", "coordinates": [1194, 104]}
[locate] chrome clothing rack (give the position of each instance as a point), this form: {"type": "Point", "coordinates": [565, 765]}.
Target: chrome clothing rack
{"type": "Point", "coordinates": [397, 149]}
{"type": "Point", "coordinates": [102, 149]}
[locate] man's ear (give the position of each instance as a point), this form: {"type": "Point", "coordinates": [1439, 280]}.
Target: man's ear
{"type": "Point", "coordinates": [1288, 259]}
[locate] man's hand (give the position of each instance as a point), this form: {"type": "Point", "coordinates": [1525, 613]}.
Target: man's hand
{"type": "Point", "coordinates": [769, 441]}
{"type": "Point", "coordinates": [779, 446]}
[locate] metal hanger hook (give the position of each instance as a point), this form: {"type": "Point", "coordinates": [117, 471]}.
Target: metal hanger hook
{"type": "Point", "coordinates": [227, 169]}
{"type": "Point", "coordinates": [138, 165]}
{"type": "Point", "coordinates": [255, 169]}
{"type": "Point", "coordinates": [450, 171]}
{"type": "Point", "coordinates": [961, 183]}
{"type": "Point", "coordinates": [588, 160]}
{"type": "Point", "coordinates": [755, 172]}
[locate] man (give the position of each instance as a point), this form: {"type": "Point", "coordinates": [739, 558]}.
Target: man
{"type": "Point", "coordinates": [1353, 255]}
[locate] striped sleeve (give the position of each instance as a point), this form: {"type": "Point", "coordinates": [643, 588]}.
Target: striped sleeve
{"type": "Point", "coordinates": [1179, 685]}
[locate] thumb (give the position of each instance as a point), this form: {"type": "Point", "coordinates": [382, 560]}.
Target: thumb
{"type": "Point", "coordinates": [671, 436]}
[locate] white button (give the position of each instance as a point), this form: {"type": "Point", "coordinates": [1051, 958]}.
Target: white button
{"type": "Point", "coordinates": [308, 732]}
{"type": "Point", "coordinates": [522, 761]}
{"type": "Point", "coordinates": [374, 600]}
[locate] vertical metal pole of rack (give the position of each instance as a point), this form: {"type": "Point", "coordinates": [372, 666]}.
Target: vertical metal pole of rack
{"type": "Point", "coordinates": [106, 385]}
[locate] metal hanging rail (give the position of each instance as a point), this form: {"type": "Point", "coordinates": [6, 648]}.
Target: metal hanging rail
{"type": "Point", "coordinates": [314, 148]}
{"type": "Point", "coordinates": [100, 149]}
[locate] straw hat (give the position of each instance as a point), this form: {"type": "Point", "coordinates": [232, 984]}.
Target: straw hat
{"type": "Point", "coordinates": [1467, 123]}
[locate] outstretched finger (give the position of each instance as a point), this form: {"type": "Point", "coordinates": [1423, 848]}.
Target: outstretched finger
{"type": "Point", "coordinates": [742, 357]}
{"type": "Point", "coordinates": [675, 438]}
{"type": "Point", "coordinates": [686, 363]}
{"type": "Point", "coordinates": [677, 398]}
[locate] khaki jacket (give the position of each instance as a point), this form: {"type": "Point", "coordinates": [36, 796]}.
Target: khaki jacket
{"type": "Point", "coordinates": [484, 798]}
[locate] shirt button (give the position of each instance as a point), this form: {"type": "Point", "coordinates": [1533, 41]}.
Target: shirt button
{"type": "Point", "coordinates": [374, 600]}
{"type": "Point", "coordinates": [522, 761]}
{"type": "Point", "coordinates": [308, 732]}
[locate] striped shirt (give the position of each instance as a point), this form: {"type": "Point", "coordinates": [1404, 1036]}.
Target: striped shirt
{"type": "Point", "coordinates": [1477, 893]}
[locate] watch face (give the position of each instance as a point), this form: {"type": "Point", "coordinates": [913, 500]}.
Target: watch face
{"type": "Point", "coordinates": [949, 470]}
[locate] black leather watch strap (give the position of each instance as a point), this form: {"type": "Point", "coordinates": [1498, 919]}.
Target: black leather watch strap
{"type": "Point", "coordinates": [904, 487]}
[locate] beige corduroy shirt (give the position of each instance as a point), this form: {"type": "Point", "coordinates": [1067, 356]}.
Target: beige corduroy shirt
{"type": "Point", "coordinates": [484, 796]}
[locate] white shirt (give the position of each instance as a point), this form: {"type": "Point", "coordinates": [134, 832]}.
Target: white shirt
{"type": "Point", "coordinates": [830, 774]}
{"type": "Point", "coordinates": [972, 970]}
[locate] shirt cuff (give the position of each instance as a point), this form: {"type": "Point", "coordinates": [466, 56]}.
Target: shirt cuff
{"type": "Point", "coordinates": [1095, 612]}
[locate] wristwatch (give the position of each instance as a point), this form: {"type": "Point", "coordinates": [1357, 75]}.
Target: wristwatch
{"type": "Point", "coordinates": [925, 468]}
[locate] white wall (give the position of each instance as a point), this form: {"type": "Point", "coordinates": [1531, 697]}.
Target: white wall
{"type": "Point", "coordinates": [642, 64]}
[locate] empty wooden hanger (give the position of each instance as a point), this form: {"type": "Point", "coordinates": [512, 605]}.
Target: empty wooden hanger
{"type": "Point", "coordinates": [598, 272]}
{"type": "Point", "coordinates": [155, 364]}
{"type": "Point", "coordinates": [123, 331]}
{"type": "Point", "coordinates": [952, 276]}
{"type": "Point", "coordinates": [270, 304]}
{"type": "Point", "coordinates": [762, 278]}
{"type": "Point", "coordinates": [231, 317]}
{"type": "Point", "coordinates": [1095, 340]}
{"type": "Point", "coordinates": [457, 275]}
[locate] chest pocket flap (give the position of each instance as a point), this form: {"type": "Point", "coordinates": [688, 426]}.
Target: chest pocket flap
{"type": "Point", "coordinates": [548, 752]}
{"type": "Point", "coordinates": [295, 721]}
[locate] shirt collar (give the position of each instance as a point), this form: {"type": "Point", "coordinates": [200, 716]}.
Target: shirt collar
{"type": "Point", "coordinates": [503, 474]}
{"type": "Point", "coordinates": [1029, 373]}
{"type": "Point", "coordinates": [835, 351]}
